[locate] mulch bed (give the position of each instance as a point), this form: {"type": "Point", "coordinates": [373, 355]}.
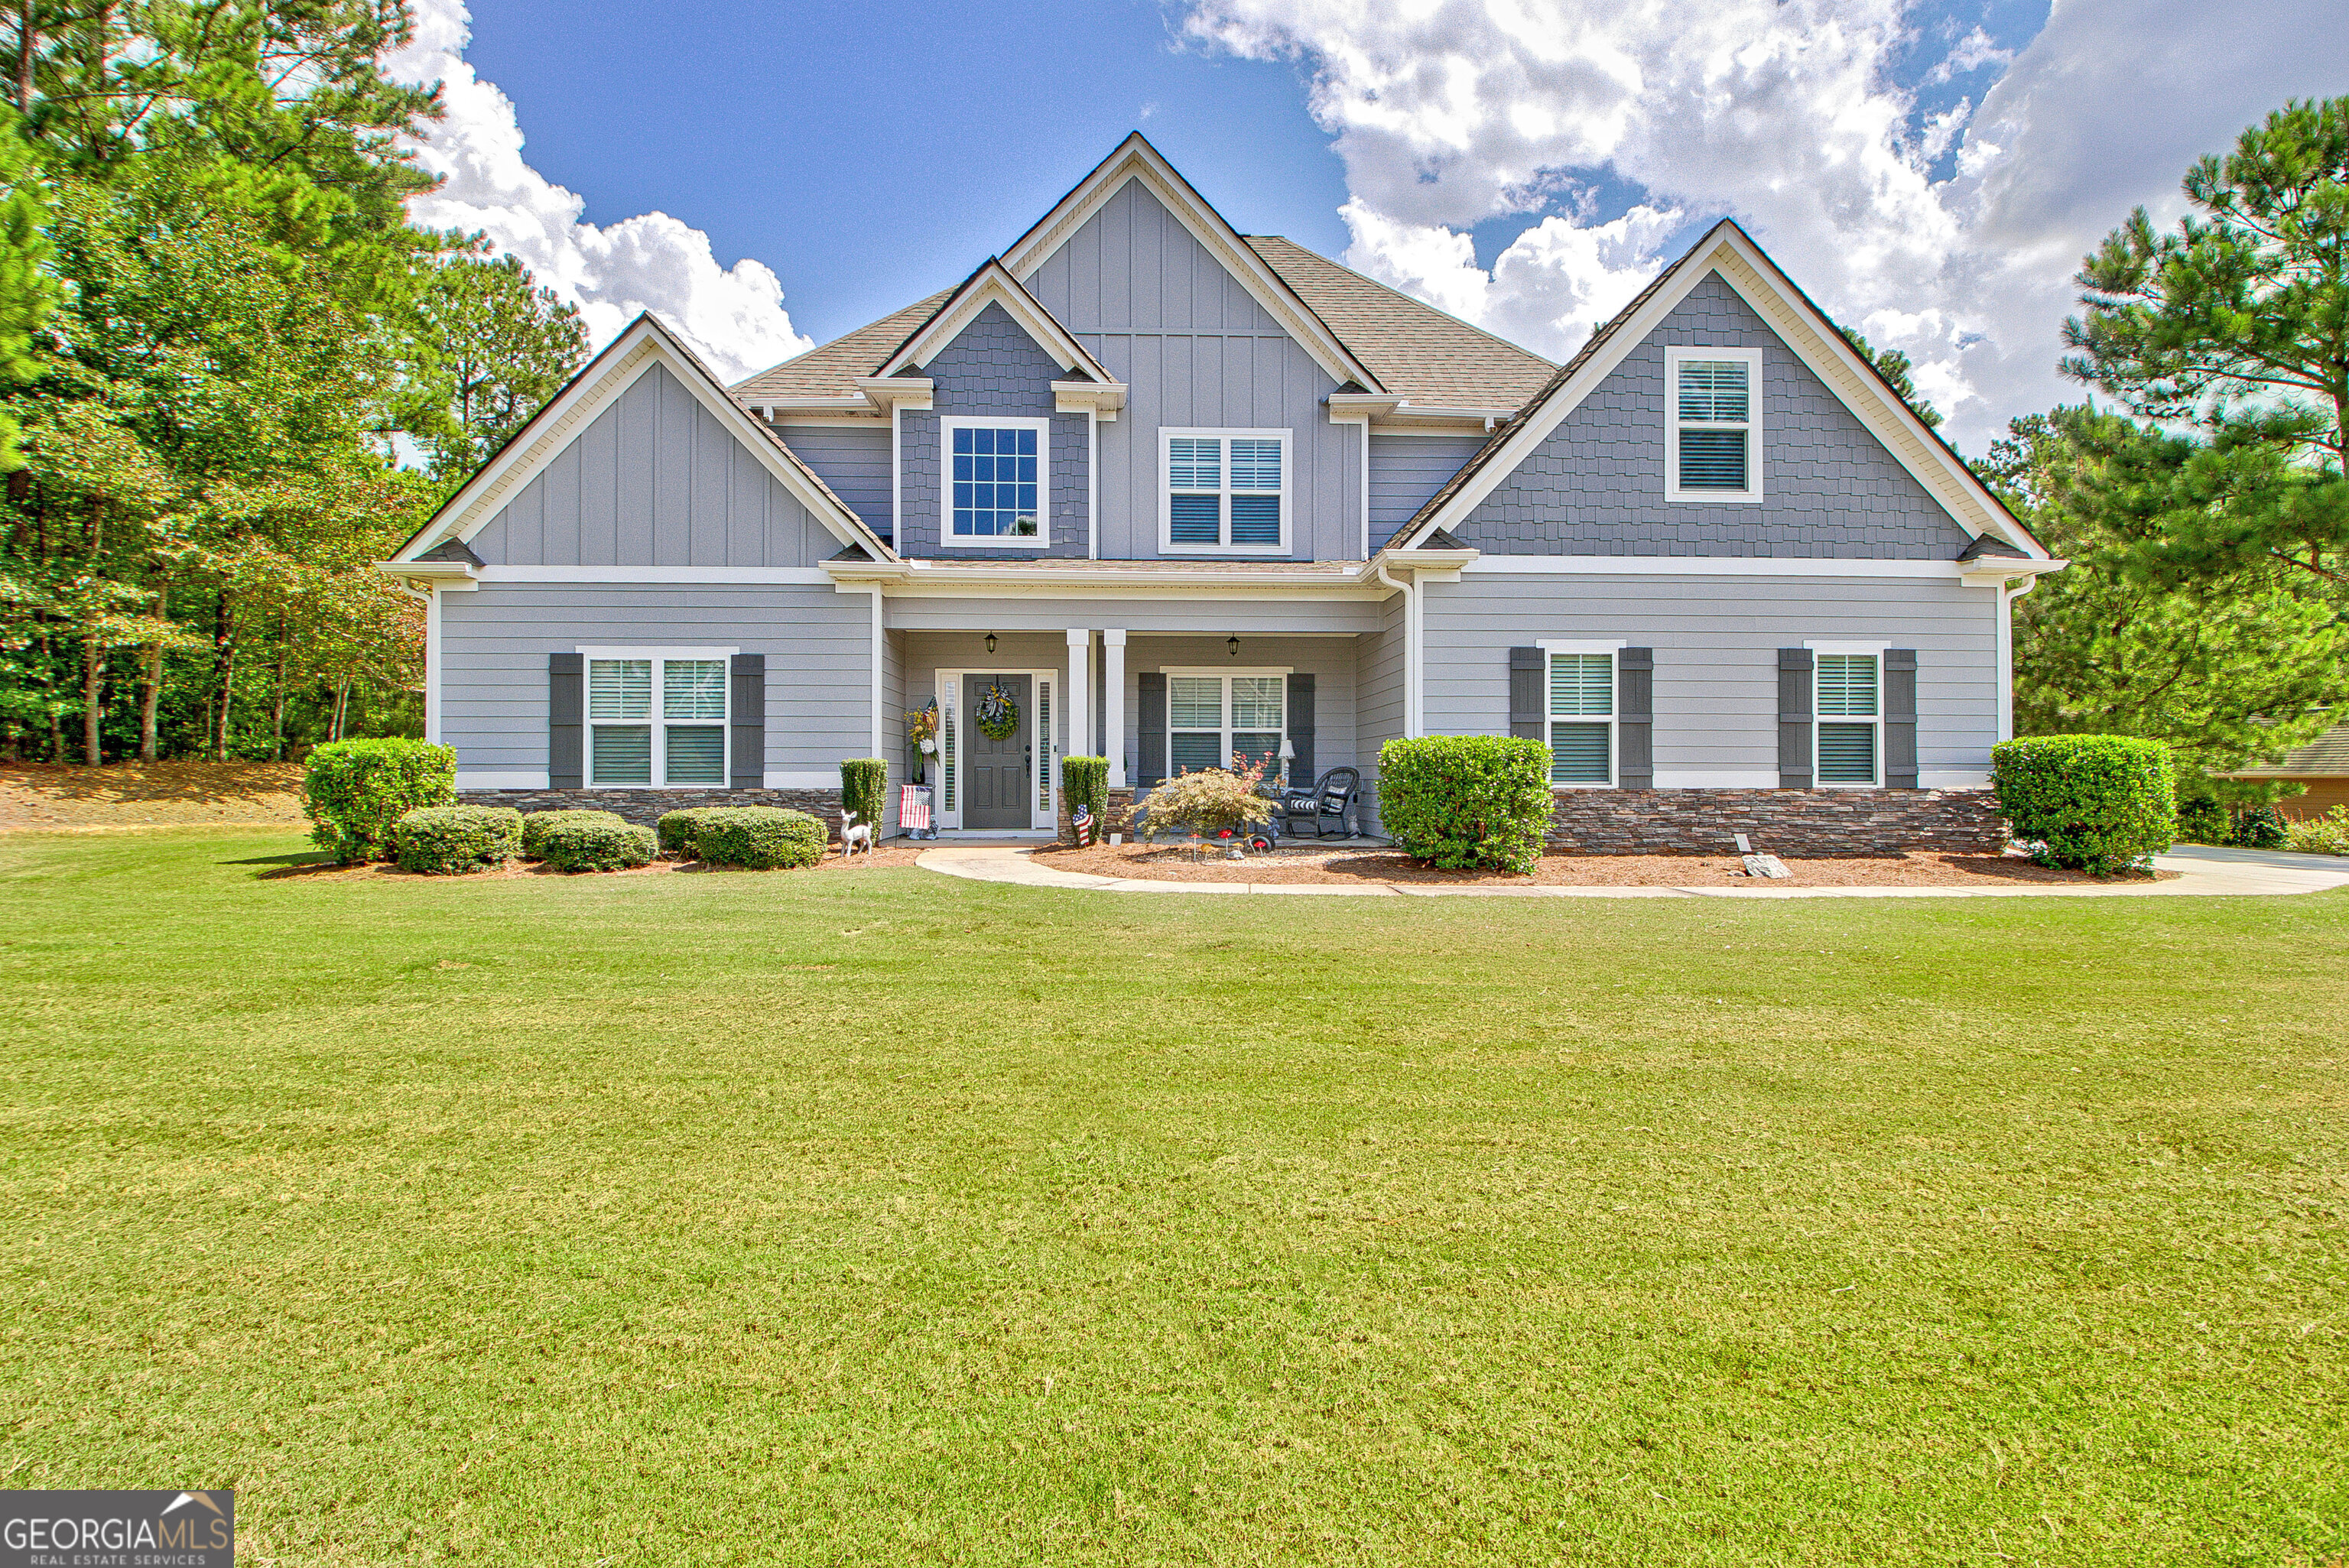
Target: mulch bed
{"type": "Point", "coordinates": [1337, 867]}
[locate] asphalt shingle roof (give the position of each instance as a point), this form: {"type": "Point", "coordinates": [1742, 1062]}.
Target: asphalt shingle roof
{"type": "Point", "coordinates": [831, 369]}
{"type": "Point", "coordinates": [2326, 757]}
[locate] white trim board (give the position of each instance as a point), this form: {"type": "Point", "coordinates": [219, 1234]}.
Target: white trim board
{"type": "Point", "coordinates": [1710, 566]}
{"type": "Point", "coordinates": [993, 285]}
{"type": "Point", "coordinates": [948, 539]}
{"type": "Point", "coordinates": [809, 576]}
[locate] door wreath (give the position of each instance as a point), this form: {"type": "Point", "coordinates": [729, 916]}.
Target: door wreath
{"type": "Point", "coordinates": [997, 714]}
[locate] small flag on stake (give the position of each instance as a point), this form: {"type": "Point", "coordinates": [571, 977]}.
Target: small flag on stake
{"type": "Point", "coordinates": [1082, 820]}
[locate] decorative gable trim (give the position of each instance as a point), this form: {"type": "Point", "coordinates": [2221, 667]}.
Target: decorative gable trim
{"type": "Point", "coordinates": [1730, 253]}
{"type": "Point", "coordinates": [992, 285]}
{"type": "Point", "coordinates": [1136, 159]}
{"type": "Point", "coordinates": [645, 343]}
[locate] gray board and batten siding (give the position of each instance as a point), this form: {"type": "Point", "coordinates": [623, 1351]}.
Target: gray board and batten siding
{"type": "Point", "coordinates": [1716, 643]}
{"type": "Point", "coordinates": [655, 479]}
{"type": "Point", "coordinates": [1406, 469]}
{"type": "Point", "coordinates": [1596, 485]}
{"type": "Point", "coordinates": [853, 459]}
{"type": "Point", "coordinates": [991, 368]}
{"type": "Point", "coordinates": [1195, 350]}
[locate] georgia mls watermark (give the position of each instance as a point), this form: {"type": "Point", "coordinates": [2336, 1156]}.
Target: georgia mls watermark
{"type": "Point", "coordinates": [118, 1529]}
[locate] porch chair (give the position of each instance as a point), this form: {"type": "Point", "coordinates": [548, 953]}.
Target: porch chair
{"type": "Point", "coordinates": [1330, 800]}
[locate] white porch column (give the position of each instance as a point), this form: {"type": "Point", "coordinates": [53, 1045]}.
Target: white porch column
{"type": "Point", "coordinates": [1080, 711]}
{"type": "Point", "coordinates": [1113, 703]}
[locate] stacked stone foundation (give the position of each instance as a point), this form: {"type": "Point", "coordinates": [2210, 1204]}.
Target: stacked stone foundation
{"type": "Point", "coordinates": [1121, 802]}
{"type": "Point", "coordinates": [1804, 823]}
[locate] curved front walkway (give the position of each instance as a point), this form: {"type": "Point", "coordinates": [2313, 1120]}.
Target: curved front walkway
{"type": "Point", "coordinates": [2201, 871]}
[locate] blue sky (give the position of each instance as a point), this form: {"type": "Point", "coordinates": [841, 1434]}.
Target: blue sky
{"type": "Point", "coordinates": [767, 176]}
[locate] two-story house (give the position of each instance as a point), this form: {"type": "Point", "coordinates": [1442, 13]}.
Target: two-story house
{"type": "Point", "coordinates": [1143, 486]}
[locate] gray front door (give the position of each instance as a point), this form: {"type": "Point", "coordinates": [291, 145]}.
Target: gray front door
{"type": "Point", "coordinates": [996, 773]}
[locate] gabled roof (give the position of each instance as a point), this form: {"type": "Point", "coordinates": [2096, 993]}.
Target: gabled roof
{"type": "Point", "coordinates": [646, 341]}
{"type": "Point", "coordinates": [991, 285]}
{"type": "Point", "coordinates": [1729, 251]}
{"type": "Point", "coordinates": [1420, 353]}
{"type": "Point", "coordinates": [831, 369]}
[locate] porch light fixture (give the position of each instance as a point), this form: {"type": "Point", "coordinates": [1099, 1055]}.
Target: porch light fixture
{"type": "Point", "coordinates": [1234, 644]}
{"type": "Point", "coordinates": [990, 642]}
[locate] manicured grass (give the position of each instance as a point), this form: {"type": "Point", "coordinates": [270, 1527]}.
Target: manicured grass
{"type": "Point", "coordinates": [881, 1217]}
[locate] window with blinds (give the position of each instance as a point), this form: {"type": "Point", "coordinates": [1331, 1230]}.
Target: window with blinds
{"type": "Point", "coordinates": [1710, 404]}
{"type": "Point", "coordinates": [683, 744]}
{"type": "Point", "coordinates": [1227, 489]}
{"type": "Point", "coordinates": [1211, 718]}
{"type": "Point", "coordinates": [1582, 718]}
{"type": "Point", "coordinates": [1849, 718]}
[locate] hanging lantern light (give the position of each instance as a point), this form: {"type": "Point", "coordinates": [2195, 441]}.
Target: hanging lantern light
{"type": "Point", "coordinates": [990, 642]}
{"type": "Point", "coordinates": [1234, 644]}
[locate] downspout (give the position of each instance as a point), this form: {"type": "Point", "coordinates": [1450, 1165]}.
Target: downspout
{"type": "Point", "coordinates": [1093, 482]}
{"type": "Point", "coordinates": [2007, 598]}
{"type": "Point", "coordinates": [1410, 650]}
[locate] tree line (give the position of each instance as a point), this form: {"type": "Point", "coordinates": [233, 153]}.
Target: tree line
{"type": "Point", "coordinates": [232, 374]}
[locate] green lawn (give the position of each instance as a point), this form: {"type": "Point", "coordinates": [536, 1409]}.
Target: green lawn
{"type": "Point", "coordinates": [806, 1217]}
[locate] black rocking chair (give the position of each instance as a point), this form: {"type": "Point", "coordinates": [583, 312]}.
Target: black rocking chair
{"type": "Point", "coordinates": [1330, 800]}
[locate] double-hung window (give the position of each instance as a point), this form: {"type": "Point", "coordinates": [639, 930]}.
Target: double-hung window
{"type": "Point", "coordinates": [656, 718]}
{"type": "Point", "coordinates": [1849, 718]}
{"type": "Point", "coordinates": [1713, 424]}
{"type": "Point", "coordinates": [1210, 719]}
{"type": "Point", "coordinates": [1581, 718]}
{"type": "Point", "coordinates": [1226, 491]}
{"type": "Point", "coordinates": [998, 480]}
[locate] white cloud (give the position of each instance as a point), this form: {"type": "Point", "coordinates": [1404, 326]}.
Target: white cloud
{"type": "Point", "coordinates": [733, 317]}
{"type": "Point", "coordinates": [1450, 113]}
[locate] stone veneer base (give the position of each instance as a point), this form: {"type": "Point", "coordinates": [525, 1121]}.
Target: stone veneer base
{"type": "Point", "coordinates": [645, 806]}
{"type": "Point", "coordinates": [1798, 822]}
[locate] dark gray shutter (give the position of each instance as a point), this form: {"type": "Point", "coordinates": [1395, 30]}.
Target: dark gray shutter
{"type": "Point", "coordinates": [1900, 718]}
{"type": "Point", "coordinates": [1635, 719]}
{"type": "Point", "coordinates": [1795, 712]}
{"type": "Point", "coordinates": [567, 715]}
{"type": "Point", "coordinates": [1300, 729]}
{"type": "Point", "coordinates": [748, 771]}
{"type": "Point", "coordinates": [1529, 693]}
{"type": "Point", "coordinates": [1152, 728]}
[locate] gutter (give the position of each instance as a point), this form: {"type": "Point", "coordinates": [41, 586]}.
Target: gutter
{"type": "Point", "coordinates": [1409, 646]}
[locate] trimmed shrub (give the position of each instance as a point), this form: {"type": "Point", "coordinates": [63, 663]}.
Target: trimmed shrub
{"type": "Point", "coordinates": [677, 829]}
{"type": "Point", "coordinates": [2260, 828]}
{"type": "Point", "coordinates": [865, 789]}
{"type": "Point", "coordinates": [2097, 803]}
{"type": "Point", "coordinates": [1209, 801]}
{"type": "Point", "coordinates": [2203, 821]}
{"type": "Point", "coordinates": [758, 837]}
{"type": "Point", "coordinates": [450, 841]}
{"type": "Point", "coordinates": [1463, 801]}
{"type": "Point", "coordinates": [2325, 835]}
{"type": "Point", "coordinates": [593, 841]}
{"type": "Point", "coordinates": [534, 828]}
{"type": "Point", "coordinates": [1084, 781]}
{"type": "Point", "coordinates": [355, 792]}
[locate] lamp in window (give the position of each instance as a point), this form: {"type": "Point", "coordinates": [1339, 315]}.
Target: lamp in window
{"type": "Point", "coordinates": [990, 642]}
{"type": "Point", "coordinates": [1234, 644]}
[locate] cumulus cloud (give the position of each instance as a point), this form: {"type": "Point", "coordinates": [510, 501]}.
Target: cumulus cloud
{"type": "Point", "coordinates": [1793, 117]}
{"type": "Point", "coordinates": [732, 317]}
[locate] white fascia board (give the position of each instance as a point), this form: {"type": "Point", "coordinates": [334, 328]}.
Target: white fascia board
{"type": "Point", "coordinates": [1362, 405]}
{"type": "Point", "coordinates": [1104, 398]}
{"type": "Point", "coordinates": [1137, 159]}
{"type": "Point", "coordinates": [1992, 572]}
{"type": "Point", "coordinates": [1704, 566]}
{"type": "Point", "coordinates": [443, 573]}
{"type": "Point", "coordinates": [815, 576]}
{"type": "Point", "coordinates": [995, 285]}
{"type": "Point", "coordinates": [886, 392]}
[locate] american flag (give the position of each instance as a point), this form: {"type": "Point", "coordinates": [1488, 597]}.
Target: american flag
{"type": "Point", "coordinates": [914, 807]}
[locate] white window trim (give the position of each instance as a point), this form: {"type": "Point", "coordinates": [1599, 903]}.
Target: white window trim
{"type": "Point", "coordinates": [1167, 434]}
{"type": "Point", "coordinates": [660, 726]}
{"type": "Point", "coordinates": [1614, 708]}
{"type": "Point", "coordinates": [1175, 672]}
{"type": "Point", "coordinates": [1818, 719]}
{"type": "Point", "coordinates": [1044, 796]}
{"type": "Point", "coordinates": [1673, 355]}
{"type": "Point", "coordinates": [947, 539]}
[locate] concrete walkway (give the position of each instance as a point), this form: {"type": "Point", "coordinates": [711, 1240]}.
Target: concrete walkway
{"type": "Point", "coordinates": [2201, 871]}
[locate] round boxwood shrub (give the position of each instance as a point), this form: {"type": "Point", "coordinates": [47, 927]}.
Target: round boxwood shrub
{"type": "Point", "coordinates": [534, 828]}
{"type": "Point", "coordinates": [593, 841]}
{"type": "Point", "coordinates": [1463, 801]}
{"type": "Point", "coordinates": [450, 841]}
{"type": "Point", "coordinates": [2097, 803]}
{"type": "Point", "coordinates": [356, 791]}
{"type": "Point", "coordinates": [677, 829]}
{"type": "Point", "coordinates": [758, 837]}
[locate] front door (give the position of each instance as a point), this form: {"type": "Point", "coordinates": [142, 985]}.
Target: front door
{"type": "Point", "coordinates": [996, 773]}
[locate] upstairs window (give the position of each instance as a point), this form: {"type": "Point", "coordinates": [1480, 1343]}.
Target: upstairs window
{"type": "Point", "coordinates": [1582, 718]}
{"type": "Point", "coordinates": [678, 739]}
{"type": "Point", "coordinates": [1850, 718]}
{"type": "Point", "coordinates": [1713, 424]}
{"type": "Point", "coordinates": [996, 482]}
{"type": "Point", "coordinates": [1226, 491]}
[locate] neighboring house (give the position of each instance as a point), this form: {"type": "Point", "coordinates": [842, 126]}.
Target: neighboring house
{"type": "Point", "coordinates": [2321, 765]}
{"type": "Point", "coordinates": [1180, 492]}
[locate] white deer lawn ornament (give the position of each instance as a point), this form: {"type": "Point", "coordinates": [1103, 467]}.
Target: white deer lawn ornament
{"type": "Point", "coordinates": [853, 833]}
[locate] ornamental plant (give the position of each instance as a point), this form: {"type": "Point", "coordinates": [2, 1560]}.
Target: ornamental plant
{"type": "Point", "coordinates": [678, 830]}
{"type": "Point", "coordinates": [864, 788]}
{"type": "Point", "coordinates": [2097, 803]}
{"type": "Point", "coordinates": [594, 842]}
{"type": "Point", "coordinates": [2325, 835]}
{"type": "Point", "coordinates": [535, 826]}
{"type": "Point", "coordinates": [451, 841]}
{"type": "Point", "coordinates": [1084, 781]}
{"type": "Point", "coordinates": [1213, 802]}
{"type": "Point", "coordinates": [356, 791]}
{"type": "Point", "coordinates": [758, 837]}
{"type": "Point", "coordinates": [1458, 801]}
